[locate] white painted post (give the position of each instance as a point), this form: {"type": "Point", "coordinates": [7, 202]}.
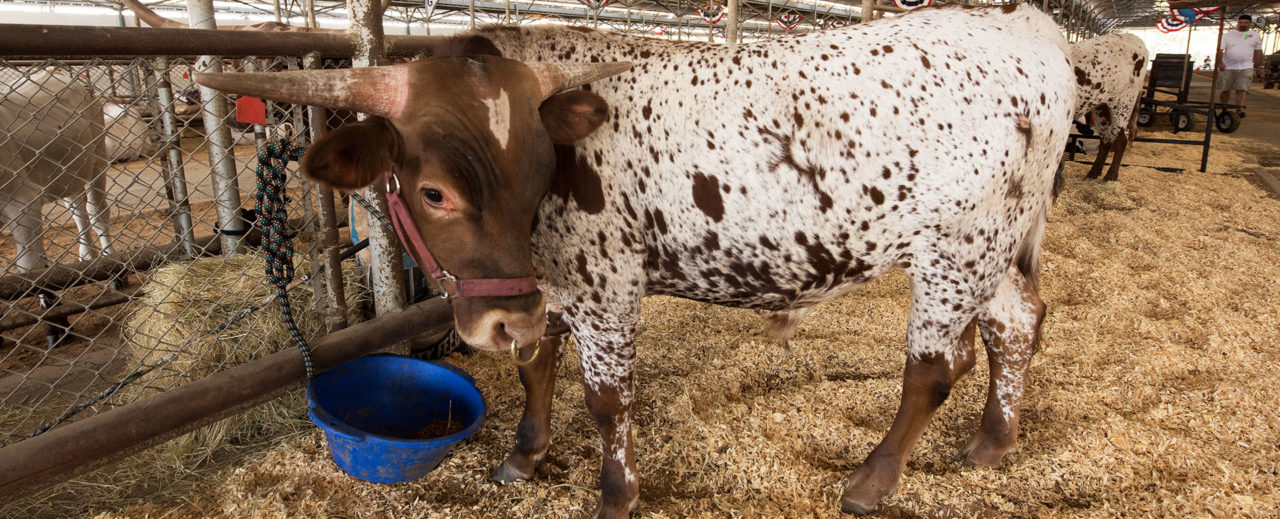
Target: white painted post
{"type": "Point", "coordinates": [385, 252]}
{"type": "Point", "coordinates": [731, 28]}
{"type": "Point", "coordinates": [222, 162]}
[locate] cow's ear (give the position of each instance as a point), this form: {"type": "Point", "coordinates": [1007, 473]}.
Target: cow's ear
{"type": "Point", "coordinates": [354, 155]}
{"type": "Point", "coordinates": [570, 116]}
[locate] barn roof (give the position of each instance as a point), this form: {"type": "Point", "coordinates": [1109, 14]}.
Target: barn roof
{"type": "Point", "coordinates": [759, 16]}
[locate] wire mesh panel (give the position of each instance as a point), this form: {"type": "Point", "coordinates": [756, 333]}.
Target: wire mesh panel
{"type": "Point", "coordinates": [112, 273]}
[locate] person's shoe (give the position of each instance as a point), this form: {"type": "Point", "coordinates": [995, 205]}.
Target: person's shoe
{"type": "Point", "coordinates": [1240, 114]}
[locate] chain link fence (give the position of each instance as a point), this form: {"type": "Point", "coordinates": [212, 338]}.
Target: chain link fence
{"type": "Point", "coordinates": [106, 176]}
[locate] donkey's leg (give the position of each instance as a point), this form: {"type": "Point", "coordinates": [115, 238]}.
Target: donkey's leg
{"type": "Point", "coordinates": [77, 207]}
{"type": "Point", "coordinates": [1010, 326]}
{"type": "Point", "coordinates": [940, 351]}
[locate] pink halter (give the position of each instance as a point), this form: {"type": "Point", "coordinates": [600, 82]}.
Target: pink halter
{"type": "Point", "coordinates": [493, 287]}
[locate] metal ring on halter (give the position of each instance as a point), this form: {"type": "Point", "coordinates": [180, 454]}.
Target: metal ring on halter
{"type": "Point", "coordinates": [515, 352]}
{"type": "Point", "coordinates": [388, 180]}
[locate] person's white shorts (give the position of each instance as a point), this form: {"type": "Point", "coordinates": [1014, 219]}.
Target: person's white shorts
{"type": "Point", "coordinates": [1234, 79]}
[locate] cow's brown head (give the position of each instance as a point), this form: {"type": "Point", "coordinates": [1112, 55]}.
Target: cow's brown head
{"type": "Point", "coordinates": [471, 142]}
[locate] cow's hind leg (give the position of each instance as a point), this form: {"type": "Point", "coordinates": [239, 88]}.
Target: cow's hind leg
{"type": "Point", "coordinates": [533, 435]}
{"type": "Point", "coordinates": [1113, 173]}
{"type": "Point", "coordinates": [940, 351]}
{"type": "Point", "coordinates": [1010, 326]}
{"type": "Point", "coordinates": [1104, 149]}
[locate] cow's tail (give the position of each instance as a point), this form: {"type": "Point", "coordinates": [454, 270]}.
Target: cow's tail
{"type": "Point", "coordinates": [1027, 259]}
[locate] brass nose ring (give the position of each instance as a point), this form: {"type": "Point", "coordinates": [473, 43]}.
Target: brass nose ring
{"type": "Point", "coordinates": [515, 352]}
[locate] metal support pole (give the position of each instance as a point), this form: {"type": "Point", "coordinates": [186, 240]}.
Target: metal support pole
{"type": "Point", "coordinates": [174, 174]}
{"type": "Point", "coordinates": [768, 34]}
{"type": "Point", "coordinates": [387, 269]}
{"type": "Point", "coordinates": [506, 13]}
{"type": "Point", "coordinates": [335, 292]}
{"type": "Point", "coordinates": [471, 10]}
{"type": "Point", "coordinates": [222, 162]}
{"type": "Point", "coordinates": [731, 28]}
{"type": "Point", "coordinates": [259, 130]}
{"type": "Point", "coordinates": [275, 4]}
{"type": "Point", "coordinates": [867, 9]}
{"type": "Point", "coordinates": [311, 13]}
{"type": "Point", "coordinates": [1212, 119]}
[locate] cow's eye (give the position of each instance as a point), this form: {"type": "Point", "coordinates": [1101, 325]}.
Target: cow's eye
{"type": "Point", "coordinates": [433, 197]}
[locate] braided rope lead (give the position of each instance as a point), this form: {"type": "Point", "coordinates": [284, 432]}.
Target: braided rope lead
{"type": "Point", "coordinates": [368, 206]}
{"type": "Point", "coordinates": [277, 246]}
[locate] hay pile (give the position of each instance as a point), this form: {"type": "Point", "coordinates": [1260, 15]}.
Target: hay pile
{"type": "Point", "coordinates": [1154, 393]}
{"type": "Point", "coordinates": [184, 303]}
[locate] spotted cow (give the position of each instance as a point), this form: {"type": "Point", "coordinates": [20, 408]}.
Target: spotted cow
{"type": "Point", "coordinates": [1110, 71]}
{"type": "Point", "coordinates": [774, 176]}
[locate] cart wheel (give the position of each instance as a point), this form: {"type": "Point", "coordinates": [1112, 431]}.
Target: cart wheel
{"type": "Point", "coordinates": [1182, 121]}
{"type": "Point", "coordinates": [1227, 121]}
{"type": "Point", "coordinates": [1146, 117]}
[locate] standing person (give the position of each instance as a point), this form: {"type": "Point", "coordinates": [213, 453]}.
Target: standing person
{"type": "Point", "coordinates": [1239, 57]}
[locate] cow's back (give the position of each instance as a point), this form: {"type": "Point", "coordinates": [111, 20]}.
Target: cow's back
{"type": "Point", "coordinates": [52, 138]}
{"type": "Point", "coordinates": [1109, 70]}
{"type": "Point", "coordinates": [779, 173]}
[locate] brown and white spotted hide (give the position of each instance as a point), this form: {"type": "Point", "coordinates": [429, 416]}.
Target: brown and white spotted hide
{"type": "Point", "coordinates": [773, 176]}
{"type": "Point", "coordinates": [780, 174]}
{"type": "Point", "coordinates": [1110, 71]}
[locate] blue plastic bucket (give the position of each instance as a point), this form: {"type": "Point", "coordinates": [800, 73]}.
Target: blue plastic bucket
{"type": "Point", "coordinates": [380, 413]}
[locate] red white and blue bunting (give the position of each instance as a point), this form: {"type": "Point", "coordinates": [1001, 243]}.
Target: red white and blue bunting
{"type": "Point", "coordinates": [911, 4]}
{"type": "Point", "coordinates": [832, 23]}
{"type": "Point", "coordinates": [712, 14]}
{"type": "Point", "coordinates": [789, 21]}
{"type": "Point", "coordinates": [595, 5]}
{"type": "Point", "coordinates": [1180, 18]}
{"type": "Point", "coordinates": [661, 30]}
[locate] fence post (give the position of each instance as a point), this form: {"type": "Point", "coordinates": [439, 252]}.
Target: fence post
{"type": "Point", "coordinates": [174, 175]}
{"type": "Point", "coordinates": [335, 294]}
{"type": "Point", "coordinates": [387, 269]}
{"type": "Point", "coordinates": [222, 162]}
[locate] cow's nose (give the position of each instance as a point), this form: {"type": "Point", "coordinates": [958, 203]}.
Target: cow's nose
{"type": "Point", "coordinates": [521, 328]}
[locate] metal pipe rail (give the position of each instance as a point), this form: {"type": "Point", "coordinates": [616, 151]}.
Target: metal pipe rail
{"type": "Point", "coordinates": [75, 448]}
{"type": "Point", "coordinates": [38, 41]}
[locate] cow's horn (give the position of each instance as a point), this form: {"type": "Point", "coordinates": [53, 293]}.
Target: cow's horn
{"type": "Point", "coordinates": [381, 91]}
{"type": "Point", "coordinates": [555, 77]}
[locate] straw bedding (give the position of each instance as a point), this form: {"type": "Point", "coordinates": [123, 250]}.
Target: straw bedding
{"type": "Point", "coordinates": [175, 326]}
{"type": "Point", "coordinates": [1153, 395]}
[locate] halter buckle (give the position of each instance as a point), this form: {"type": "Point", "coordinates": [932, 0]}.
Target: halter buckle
{"type": "Point", "coordinates": [447, 277]}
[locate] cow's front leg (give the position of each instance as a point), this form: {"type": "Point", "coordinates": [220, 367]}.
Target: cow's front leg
{"type": "Point", "coordinates": [533, 435]}
{"type": "Point", "coordinates": [608, 359]}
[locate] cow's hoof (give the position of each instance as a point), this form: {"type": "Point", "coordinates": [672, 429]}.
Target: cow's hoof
{"type": "Point", "coordinates": [849, 507]}
{"type": "Point", "coordinates": [505, 473]}
{"type": "Point", "coordinates": [984, 452]}
{"type": "Point", "coordinates": [864, 489]}
{"type": "Point", "coordinates": [612, 512]}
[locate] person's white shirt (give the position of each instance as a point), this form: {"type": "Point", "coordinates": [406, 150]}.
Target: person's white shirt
{"type": "Point", "coordinates": [1238, 48]}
